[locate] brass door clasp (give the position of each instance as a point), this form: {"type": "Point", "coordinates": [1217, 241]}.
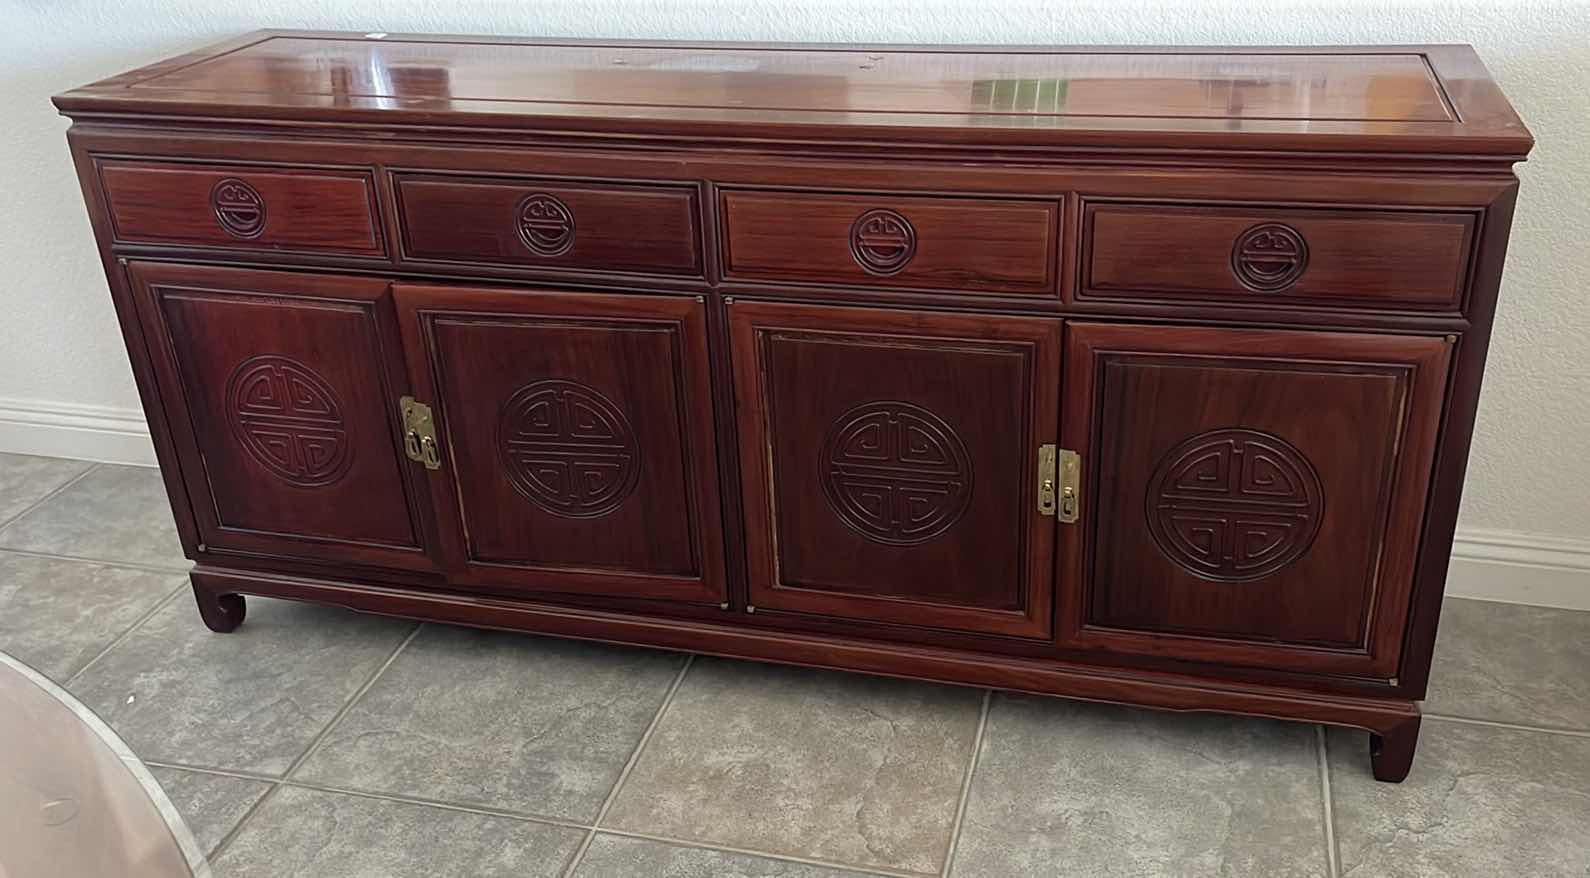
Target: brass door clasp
{"type": "Point", "coordinates": [1059, 480]}
{"type": "Point", "coordinates": [1046, 476]}
{"type": "Point", "coordinates": [419, 433]}
{"type": "Point", "coordinates": [1070, 486]}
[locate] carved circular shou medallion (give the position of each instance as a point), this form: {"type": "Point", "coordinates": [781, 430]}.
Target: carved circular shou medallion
{"type": "Point", "coordinates": [896, 473]}
{"type": "Point", "coordinates": [882, 241]}
{"type": "Point", "coordinates": [289, 420]}
{"type": "Point", "coordinates": [546, 225]}
{"type": "Point", "coordinates": [568, 449]}
{"type": "Point", "coordinates": [239, 208]}
{"type": "Point", "coordinates": [1234, 505]}
{"type": "Point", "coordinates": [1269, 257]}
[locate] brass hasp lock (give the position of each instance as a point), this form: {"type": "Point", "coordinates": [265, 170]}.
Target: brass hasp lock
{"type": "Point", "coordinates": [419, 433]}
{"type": "Point", "coordinates": [1059, 482]}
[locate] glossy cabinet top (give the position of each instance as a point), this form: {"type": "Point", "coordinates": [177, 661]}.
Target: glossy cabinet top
{"type": "Point", "coordinates": [1416, 98]}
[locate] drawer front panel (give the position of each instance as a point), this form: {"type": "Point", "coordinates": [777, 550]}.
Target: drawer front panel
{"type": "Point", "coordinates": [550, 223]}
{"type": "Point", "coordinates": [264, 208]}
{"type": "Point", "coordinates": [1385, 259]}
{"type": "Point", "coordinates": [950, 244]}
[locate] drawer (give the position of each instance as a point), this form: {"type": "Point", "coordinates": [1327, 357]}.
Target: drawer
{"type": "Point", "coordinates": [266, 208]}
{"type": "Point", "coordinates": [1402, 260]}
{"type": "Point", "coordinates": [533, 222]}
{"type": "Point", "coordinates": [949, 244]}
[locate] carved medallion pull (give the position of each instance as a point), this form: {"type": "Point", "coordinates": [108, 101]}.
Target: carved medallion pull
{"type": "Point", "coordinates": [1269, 257]}
{"type": "Point", "coordinates": [546, 225]}
{"type": "Point", "coordinates": [882, 241]}
{"type": "Point", "coordinates": [239, 208]}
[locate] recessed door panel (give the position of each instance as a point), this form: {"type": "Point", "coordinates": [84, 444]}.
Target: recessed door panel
{"type": "Point", "coordinates": [576, 437]}
{"type": "Point", "coordinates": [278, 387]}
{"type": "Point", "coordinates": [1255, 495]}
{"type": "Point", "coordinates": [889, 464]}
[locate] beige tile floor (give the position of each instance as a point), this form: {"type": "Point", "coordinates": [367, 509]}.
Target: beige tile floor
{"type": "Point", "coordinates": [317, 742]}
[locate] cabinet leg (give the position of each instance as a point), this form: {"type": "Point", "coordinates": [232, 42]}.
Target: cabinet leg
{"type": "Point", "coordinates": [222, 613]}
{"type": "Point", "coordinates": [1391, 751]}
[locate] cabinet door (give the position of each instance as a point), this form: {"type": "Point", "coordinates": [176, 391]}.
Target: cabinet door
{"type": "Point", "coordinates": [576, 438]}
{"type": "Point", "coordinates": [889, 462]}
{"type": "Point", "coordinates": [279, 391]}
{"type": "Point", "coordinates": [1250, 496]}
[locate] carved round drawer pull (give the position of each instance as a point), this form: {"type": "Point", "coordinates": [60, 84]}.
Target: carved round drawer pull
{"type": "Point", "coordinates": [1269, 257]}
{"type": "Point", "coordinates": [546, 225]}
{"type": "Point", "coordinates": [239, 208]}
{"type": "Point", "coordinates": [882, 241]}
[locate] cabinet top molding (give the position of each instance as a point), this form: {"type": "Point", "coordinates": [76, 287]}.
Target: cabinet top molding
{"type": "Point", "coordinates": [1372, 100]}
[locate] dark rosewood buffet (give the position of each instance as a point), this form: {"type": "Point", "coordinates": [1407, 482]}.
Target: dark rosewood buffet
{"type": "Point", "coordinates": [1138, 375]}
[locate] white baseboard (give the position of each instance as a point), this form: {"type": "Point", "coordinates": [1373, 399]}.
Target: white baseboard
{"type": "Point", "coordinates": [1520, 568]}
{"type": "Point", "coordinates": [1490, 565]}
{"type": "Point", "coordinates": [108, 434]}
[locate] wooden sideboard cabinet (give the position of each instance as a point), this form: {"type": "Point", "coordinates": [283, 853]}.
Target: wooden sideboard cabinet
{"type": "Point", "coordinates": [1135, 375]}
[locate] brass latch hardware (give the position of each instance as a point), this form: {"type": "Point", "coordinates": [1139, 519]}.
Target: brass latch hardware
{"type": "Point", "coordinates": [1070, 485]}
{"type": "Point", "coordinates": [419, 433]}
{"type": "Point", "coordinates": [1059, 478]}
{"type": "Point", "coordinates": [1046, 476]}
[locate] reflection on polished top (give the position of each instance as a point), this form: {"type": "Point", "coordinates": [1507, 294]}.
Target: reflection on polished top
{"type": "Point", "coordinates": [1422, 94]}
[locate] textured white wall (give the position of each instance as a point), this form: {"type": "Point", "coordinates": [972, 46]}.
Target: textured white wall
{"type": "Point", "coordinates": [1531, 464]}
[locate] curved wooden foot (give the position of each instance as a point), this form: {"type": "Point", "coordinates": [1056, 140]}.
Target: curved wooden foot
{"type": "Point", "coordinates": [1391, 752]}
{"type": "Point", "coordinates": [222, 613]}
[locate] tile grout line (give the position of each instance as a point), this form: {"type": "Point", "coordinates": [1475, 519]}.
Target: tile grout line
{"type": "Point", "coordinates": [314, 744]}
{"type": "Point", "coordinates": [50, 495]}
{"type": "Point", "coordinates": [634, 759]}
{"type": "Point", "coordinates": [122, 637]}
{"type": "Point", "coordinates": [215, 852]}
{"type": "Point", "coordinates": [205, 769]}
{"type": "Point", "coordinates": [1499, 724]}
{"type": "Point", "coordinates": [79, 559]}
{"type": "Point", "coordinates": [272, 783]}
{"type": "Point", "coordinates": [966, 785]}
{"type": "Point", "coordinates": [766, 855]}
{"type": "Point", "coordinates": [1333, 856]}
{"type": "Point", "coordinates": [483, 810]}
{"type": "Point", "coordinates": [522, 817]}
{"type": "Point", "coordinates": [347, 706]}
